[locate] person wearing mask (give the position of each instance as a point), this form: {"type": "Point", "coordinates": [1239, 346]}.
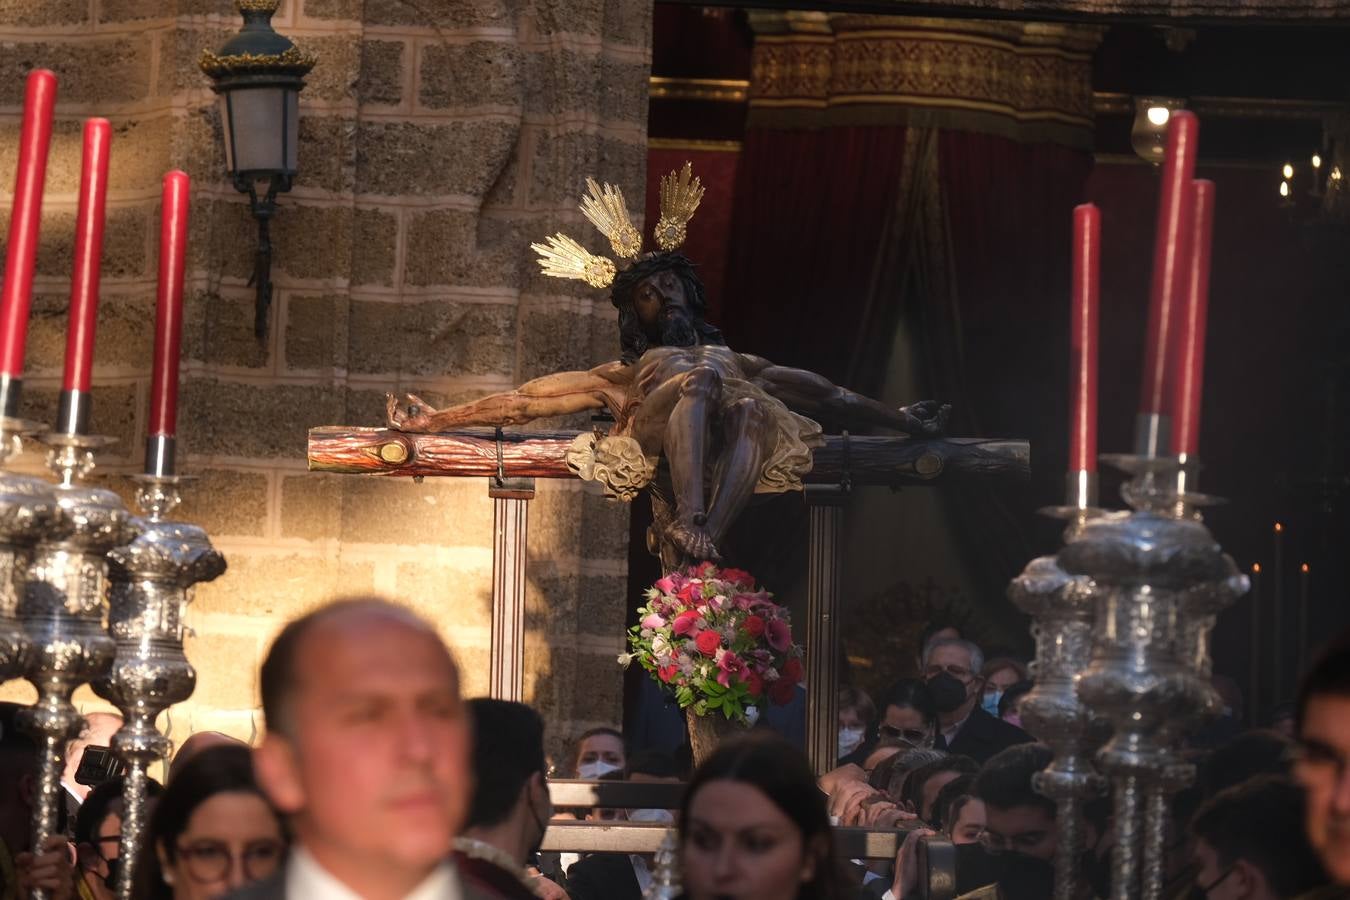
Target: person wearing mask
{"type": "Point", "coordinates": [909, 714]}
{"type": "Point", "coordinates": [620, 876]}
{"type": "Point", "coordinates": [1322, 764]}
{"type": "Point", "coordinates": [98, 838]}
{"type": "Point", "coordinates": [931, 632]}
{"type": "Point", "coordinates": [510, 809]}
{"type": "Point", "coordinates": [1010, 703]}
{"type": "Point", "coordinates": [999, 674]}
{"type": "Point", "coordinates": [753, 826]}
{"type": "Point", "coordinates": [1249, 843]}
{"type": "Point", "coordinates": [856, 714]}
{"type": "Point", "coordinates": [210, 832]}
{"type": "Point", "coordinates": [366, 754]}
{"type": "Point", "coordinates": [600, 750]}
{"type": "Point", "coordinates": [964, 728]}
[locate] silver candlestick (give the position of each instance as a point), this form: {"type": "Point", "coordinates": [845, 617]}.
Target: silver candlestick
{"type": "Point", "coordinates": [1158, 574]}
{"type": "Point", "coordinates": [151, 584]}
{"type": "Point", "coordinates": [666, 883]}
{"type": "Point", "coordinates": [62, 608]}
{"type": "Point", "coordinates": [1062, 610]}
{"type": "Point", "coordinates": [28, 511]}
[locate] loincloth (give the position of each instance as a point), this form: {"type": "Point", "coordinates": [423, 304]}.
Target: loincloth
{"type": "Point", "coordinates": [618, 463]}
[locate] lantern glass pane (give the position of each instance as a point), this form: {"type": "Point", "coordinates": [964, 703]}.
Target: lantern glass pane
{"type": "Point", "coordinates": [292, 130]}
{"type": "Point", "coordinates": [257, 127]}
{"type": "Point", "coordinates": [227, 125]}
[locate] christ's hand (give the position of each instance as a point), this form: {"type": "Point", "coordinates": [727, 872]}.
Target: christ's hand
{"type": "Point", "coordinates": [927, 418]}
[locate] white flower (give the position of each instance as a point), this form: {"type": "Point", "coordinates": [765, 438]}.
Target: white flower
{"type": "Point", "coordinates": [625, 659]}
{"type": "Point", "coordinates": [660, 645]}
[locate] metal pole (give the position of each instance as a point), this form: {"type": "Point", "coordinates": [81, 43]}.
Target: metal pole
{"type": "Point", "coordinates": [825, 502]}
{"type": "Point", "coordinates": [510, 530]}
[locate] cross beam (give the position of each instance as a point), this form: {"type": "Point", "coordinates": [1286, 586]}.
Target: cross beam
{"type": "Point", "coordinates": [892, 461]}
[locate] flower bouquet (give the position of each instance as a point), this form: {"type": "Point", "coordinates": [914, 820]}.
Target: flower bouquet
{"type": "Point", "coordinates": [717, 641]}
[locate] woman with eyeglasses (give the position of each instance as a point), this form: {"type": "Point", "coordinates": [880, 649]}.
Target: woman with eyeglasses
{"type": "Point", "coordinates": [910, 713]}
{"type": "Point", "coordinates": [211, 833]}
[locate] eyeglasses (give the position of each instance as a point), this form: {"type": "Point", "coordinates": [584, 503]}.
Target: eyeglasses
{"type": "Point", "coordinates": [1018, 843]}
{"type": "Point", "coordinates": [210, 861]}
{"type": "Point", "coordinates": [960, 673]}
{"type": "Point", "coordinates": [1203, 890]}
{"type": "Point", "coordinates": [916, 736]}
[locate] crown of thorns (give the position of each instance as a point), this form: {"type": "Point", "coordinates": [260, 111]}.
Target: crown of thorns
{"type": "Point", "coordinates": [562, 257]}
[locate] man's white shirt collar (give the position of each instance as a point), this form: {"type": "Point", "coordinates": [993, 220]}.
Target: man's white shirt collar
{"type": "Point", "coordinates": [307, 880]}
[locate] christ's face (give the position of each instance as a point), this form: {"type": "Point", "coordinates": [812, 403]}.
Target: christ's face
{"type": "Point", "coordinates": [662, 307]}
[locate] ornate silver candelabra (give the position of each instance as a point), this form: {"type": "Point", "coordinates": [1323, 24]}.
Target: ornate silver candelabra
{"type": "Point", "coordinates": [666, 870]}
{"type": "Point", "coordinates": [62, 608]}
{"type": "Point", "coordinates": [151, 584]}
{"type": "Point", "coordinates": [1062, 610]}
{"type": "Point", "coordinates": [1159, 578]}
{"type": "Point", "coordinates": [28, 511]}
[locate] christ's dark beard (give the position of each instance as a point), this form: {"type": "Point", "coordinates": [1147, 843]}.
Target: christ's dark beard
{"type": "Point", "coordinates": [677, 330]}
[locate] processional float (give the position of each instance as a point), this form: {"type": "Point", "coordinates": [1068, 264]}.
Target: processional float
{"type": "Point", "coordinates": [89, 592]}
{"type": "Point", "coordinates": [1122, 614]}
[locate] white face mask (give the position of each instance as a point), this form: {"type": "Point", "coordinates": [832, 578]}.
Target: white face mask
{"type": "Point", "coordinates": [593, 770]}
{"type": "Point", "coordinates": [850, 739]}
{"type": "Point", "coordinates": [664, 816]}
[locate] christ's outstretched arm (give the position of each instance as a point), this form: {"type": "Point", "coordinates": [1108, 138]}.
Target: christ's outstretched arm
{"type": "Point", "coordinates": [559, 394]}
{"type": "Point", "coordinates": [815, 395]}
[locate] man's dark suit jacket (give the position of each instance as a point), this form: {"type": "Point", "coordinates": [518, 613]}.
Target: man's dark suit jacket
{"type": "Point", "coordinates": [984, 735]}
{"type": "Point", "coordinates": [490, 879]}
{"type": "Point", "coordinates": [603, 876]}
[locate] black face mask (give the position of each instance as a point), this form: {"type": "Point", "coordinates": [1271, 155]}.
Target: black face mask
{"type": "Point", "coordinates": [111, 878]}
{"type": "Point", "coordinates": [948, 692]}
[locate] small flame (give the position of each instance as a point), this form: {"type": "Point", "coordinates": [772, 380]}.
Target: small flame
{"type": "Point", "coordinates": [1158, 115]}
{"type": "Point", "coordinates": [1256, 568]}
{"type": "Point", "coordinates": [1287, 171]}
{"type": "Point", "coordinates": [1303, 568]}
{"type": "Point", "coordinates": [1284, 189]}
{"type": "Point", "coordinates": [1278, 528]}
{"type": "Point", "coordinates": [1317, 160]}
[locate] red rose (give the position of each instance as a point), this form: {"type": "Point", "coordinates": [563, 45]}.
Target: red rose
{"type": "Point", "coordinates": [754, 684]}
{"type": "Point", "coordinates": [704, 568]}
{"type": "Point", "coordinates": [792, 670]}
{"type": "Point", "coordinates": [782, 692]}
{"type": "Point", "coordinates": [740, 577]}
{"type": "Point", "coordinates": [665, 673]}
{"type": "Point", "coordinates": [753, 625]}
{"type": "Point", "coordinates": [686, 622]}
{"type": "Point", "coordinates": [708, 642]}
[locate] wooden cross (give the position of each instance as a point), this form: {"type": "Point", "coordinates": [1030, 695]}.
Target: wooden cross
{"type": "Point", "coordinates": [512, 460]}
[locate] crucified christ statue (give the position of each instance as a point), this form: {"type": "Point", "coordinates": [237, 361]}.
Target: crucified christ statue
{"type": "Point", "coordinates": [727, 424]}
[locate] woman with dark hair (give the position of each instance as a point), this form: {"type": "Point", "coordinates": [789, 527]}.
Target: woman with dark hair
{"type": "Point", "coordinates": [910, 713]}
{"type": "Point", "coordinates": [212, 831]}
{"type": "Point", "coordinates": [753, 826]}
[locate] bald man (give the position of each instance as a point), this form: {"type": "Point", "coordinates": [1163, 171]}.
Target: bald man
{"type": "Point", "coordinates": [367, 754]}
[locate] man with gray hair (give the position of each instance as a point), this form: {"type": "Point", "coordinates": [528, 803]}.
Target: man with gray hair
{"type": "Point", "coordinates": [951, 668]}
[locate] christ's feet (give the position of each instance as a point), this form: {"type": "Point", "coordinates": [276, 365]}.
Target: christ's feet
{"type": "Point", "coordinates": [693, 541]}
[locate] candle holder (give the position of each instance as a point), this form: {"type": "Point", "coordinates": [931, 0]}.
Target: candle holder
{"type": "Point", "coordinates": [151, 584]}
{"type": "Point", "coordinates": [62, 608]}
{"type": "Point", "coordinates": [1062, 609]}
{"type": "Point", "coordinates": [666, 884]}
{"type": "Point", "coordinates": [28, 511]}
{"type": "Point", "coordinates": [1159, 578]}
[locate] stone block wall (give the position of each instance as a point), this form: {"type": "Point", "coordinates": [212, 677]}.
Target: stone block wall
{"type": "Point", "coordinates": [438, 139]}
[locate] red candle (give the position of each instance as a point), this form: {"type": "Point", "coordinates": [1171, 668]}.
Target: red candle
{"type": "Point", "coordinates": [88, 256]}
{"type": "Point", "coordinates": [25, 217]}
{"type": "Point", "coordinates": [169, 307]}
{"type": "Point", "coordinates": [1171, 257]}
{"type": "Point", "coordinates": [1189, 356]}
{"type": "Point", "coordinates": [1087, 241]}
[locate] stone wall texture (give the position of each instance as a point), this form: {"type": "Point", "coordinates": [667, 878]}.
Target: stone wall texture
{"type": "Point", "coordinates": [439, 137]}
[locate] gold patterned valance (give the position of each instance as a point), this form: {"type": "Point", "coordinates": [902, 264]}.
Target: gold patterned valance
{"type": "Point", "coordinates": [1023, 79]}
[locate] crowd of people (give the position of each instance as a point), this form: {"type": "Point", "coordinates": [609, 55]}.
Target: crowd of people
{"type": "Point", "coordinates": [376, 780]}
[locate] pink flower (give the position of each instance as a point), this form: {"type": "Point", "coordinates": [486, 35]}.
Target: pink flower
{"type": "Point", "coordinates": [708, 642]}
{"type": "Point", "coordinates": [653, 621]}
{"type": "Point", "coordinates": [704, 568]}
{"type": "Point", "coordinates": [754, 626]}
{"type": "Point", "coordinates": [744, 601]}
{"type": "Point", "coordinates": [780, 634]}
{"type": "Point", "coordinates": [665, 586]}
{"type": "Point", "coordinates": [686, 622]}
{"type": "Point", "coordinates": [731, 667]}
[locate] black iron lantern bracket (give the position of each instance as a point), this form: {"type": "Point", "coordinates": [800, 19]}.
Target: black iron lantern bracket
{"type": "Point", "coordinates": [258, 75]}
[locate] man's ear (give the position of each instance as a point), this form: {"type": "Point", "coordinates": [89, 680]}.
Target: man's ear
{"type": "Point", "coordinates": [816, 850]}
{"type": "Point", "coordinates": [277, 769]}
{"type": "Point", "coordinates": [1251, 881]}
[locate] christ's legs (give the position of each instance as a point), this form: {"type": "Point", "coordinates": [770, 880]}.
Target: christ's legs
{"type": "Point", "coordinates": [687, 441]}
{"type": "Point", "coordinates": [746, 427]}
